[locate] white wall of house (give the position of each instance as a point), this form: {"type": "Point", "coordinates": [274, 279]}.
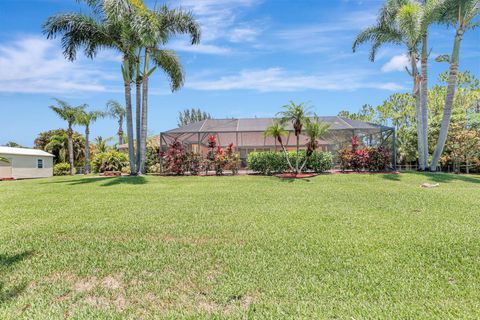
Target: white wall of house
{"type": "Point", "coordinates": [25, 166]}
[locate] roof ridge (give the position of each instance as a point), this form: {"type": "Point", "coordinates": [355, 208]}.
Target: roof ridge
{"type": "Point", "coordinates": [204, 121]}
{"type": "Point", "coordinates": [348, 124]}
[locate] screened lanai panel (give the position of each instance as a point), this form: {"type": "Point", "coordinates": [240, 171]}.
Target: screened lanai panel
{"type": "Point", "coordinates": [220, 125]}
{"type": "Point", "coordinates": [192, 127]}
{"type": "Point", "coordinates": [253, 139]}
{"type": "Point", "coordinates": [225, 138]}
{"type": "Point", "coordinates": [254, 124]}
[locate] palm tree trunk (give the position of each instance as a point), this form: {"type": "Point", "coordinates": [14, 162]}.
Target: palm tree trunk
{"type": "Point", "coordinates": [418, 110]}
{"type": "Point", "coordinates": [129, 116]}
{"type": "Point", "coordinates": [87, 150]}
{"type": "Point", "coordinates": [70, 149]}
{"type": "Point", "coordinates": [447, 111]}
{"type": "Point", "coordinates": [143, 133]}
{"type": "Point", "coordinates": [298, 150]}
{"type": "Point", "coordinates": [424, 99]}
{"type": "Point", "coordinates": [286, 156]}
{"type": "Point", "coordinates": [120, 131]}
{"type": "Point", "coordinates": [138, 98]}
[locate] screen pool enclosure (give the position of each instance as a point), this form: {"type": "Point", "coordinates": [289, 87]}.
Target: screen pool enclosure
{"type": "Point", "coordinates": [248, 135]}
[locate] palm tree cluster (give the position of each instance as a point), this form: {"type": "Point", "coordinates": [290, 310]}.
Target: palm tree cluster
{"type": "Point", "coordinates": [406, 22]}
{"type": "Point", "coordinates": [140, 35]}
{"type": "Point", "coordinates": [303, 122]}
{"type": "Point", "coordinates": [73, 116]}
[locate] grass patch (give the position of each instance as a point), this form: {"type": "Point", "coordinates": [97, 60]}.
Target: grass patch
{"type": "Point", "coordinates": [332, 246]}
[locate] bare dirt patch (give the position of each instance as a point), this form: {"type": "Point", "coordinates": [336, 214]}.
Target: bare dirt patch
{"type": "Point", "coordinates": [86, 284]}
{"type": "Point", "coordinates": [112, 283]}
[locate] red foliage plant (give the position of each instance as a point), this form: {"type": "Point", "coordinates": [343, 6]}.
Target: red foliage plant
{"type": "Point", "coordinates": [174, 160]}
{"type": "Point", "coordinates": [370, 158]}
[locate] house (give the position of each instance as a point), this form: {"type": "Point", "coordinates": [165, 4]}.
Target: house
{"type": "Point", "coordinates": [24, 163]}
{"type": "Point", "coordinates": [247, 134]}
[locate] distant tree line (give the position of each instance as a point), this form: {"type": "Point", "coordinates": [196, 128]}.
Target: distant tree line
{"type": "Point", "coordinates": [188, 116]}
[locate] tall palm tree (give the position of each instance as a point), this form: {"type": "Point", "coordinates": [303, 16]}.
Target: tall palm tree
{"type": "Point", "coordinates": [406, 22]}
{"type": "Point", "coordinates": [164, 23]}
{"type": "Point", "coordinates": [116, 111]}
{"type": "Point", "coordinates": [111, 25]}
{"type": "Point", "coordinates": [86, 118]}
{"type": "Point", "coordinates": [460, 14]}
{"type": "Point", "coordinates": [295, 114]}
{"type": "Point", "coordinates": [71, 116]}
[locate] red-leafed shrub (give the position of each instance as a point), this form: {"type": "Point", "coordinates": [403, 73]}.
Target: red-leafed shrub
{"type": "Point", "coordinates": [359, 160]}
{"type": "Point", "coordinates": [175, 159]}
{"type": "Point", "coordinates": [233, 159]}
{"type": "Point", "coordinates": [220, 161]}
{"type": "Point", "coordinates": [378, 159]}
{"type": "Point", "coordinates": [369, 158]}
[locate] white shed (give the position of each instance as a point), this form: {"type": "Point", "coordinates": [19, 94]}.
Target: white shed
{"type": "Point", "coordinates": [24, 163]}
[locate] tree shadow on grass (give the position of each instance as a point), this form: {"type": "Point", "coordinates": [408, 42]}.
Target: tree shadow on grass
{"type": "Point", "coordinates": [391, 177]}
{"type": "Point", "coordinates": [291, 180]}
{"type": "Point", "coordinates": [437, 177]}
{"type": "Point", "coordinates": [108, 181]}
{"type": "Point", "coordinates": [7, 262]}
{"type": "Point", "coordinates": [449, 177]}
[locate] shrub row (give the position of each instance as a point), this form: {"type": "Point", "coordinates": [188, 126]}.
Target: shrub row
{"type": "Point", "coordinates": [275, 162]}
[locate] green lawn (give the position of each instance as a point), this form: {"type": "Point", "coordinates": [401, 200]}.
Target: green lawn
{"type": "Point", "coordinates": [334, 246]}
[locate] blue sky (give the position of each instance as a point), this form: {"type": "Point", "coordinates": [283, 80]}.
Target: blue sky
{"type": "Point", "coordinates": [255, 56]}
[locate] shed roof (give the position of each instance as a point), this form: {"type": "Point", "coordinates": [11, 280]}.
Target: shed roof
{"type": "Point", "coordinates": [261, 124]}
{"type": "Point", "coordinates": [24, 152]}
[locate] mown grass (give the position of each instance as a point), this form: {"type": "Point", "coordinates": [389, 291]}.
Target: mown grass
{"type": "Point", "coordinates": [334, 246]}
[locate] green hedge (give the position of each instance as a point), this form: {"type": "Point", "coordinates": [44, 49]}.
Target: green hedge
{"type": "Point", "coordinates": [61, 169]}
{"type": "Point", "coordinates": [275, 162]}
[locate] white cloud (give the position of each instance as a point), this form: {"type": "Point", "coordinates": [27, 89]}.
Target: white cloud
{"type": "Point", "coordinates": [36, 65]}
{"type": "Point", "coordinates": [396, 63]}
{"type": "Point", "coordinates": [336, 33]}
{"type": "Point", "coordinates": [219, 22]}
{"type": "Point", "coordinates": [243, 34]}
{"type": "Point", "coordinates": [277, 79]}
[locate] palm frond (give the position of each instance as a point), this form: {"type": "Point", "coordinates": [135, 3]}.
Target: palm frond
{"type": "Point", "coordinates": [177, 21]}
{"type": "Point", "coordinates": [168, 61]}
{"type": "Point", "coordinates": [78, 31]}
{"type": "Point", "coordinates": [115, 109]}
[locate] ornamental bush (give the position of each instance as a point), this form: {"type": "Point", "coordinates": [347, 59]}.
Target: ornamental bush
{"type": "Point", "coordinates": [194, 163]}
{"type": "Point", "coordinates": [274, 162]}
{"type": "Point", "coordinates": [61, 169]}
{"type": "Point", "coordinates": [175, 159]}
{"type": "Point", "coordinates": [367, 158]}
{"type": "Point", "coordinates": [109, 161]}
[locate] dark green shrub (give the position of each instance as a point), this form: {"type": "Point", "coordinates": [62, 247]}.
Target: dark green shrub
{"type": "Point", "coordinates": [275, 162]}
{"type": "Point", "coordinates": [61, 169]}
{"type": "Point", "coordinates": [110, 161]}
{"type": "Point", "coordinates": [319, 162]}
{"type": "Point", "coordinates": [267, 162]}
